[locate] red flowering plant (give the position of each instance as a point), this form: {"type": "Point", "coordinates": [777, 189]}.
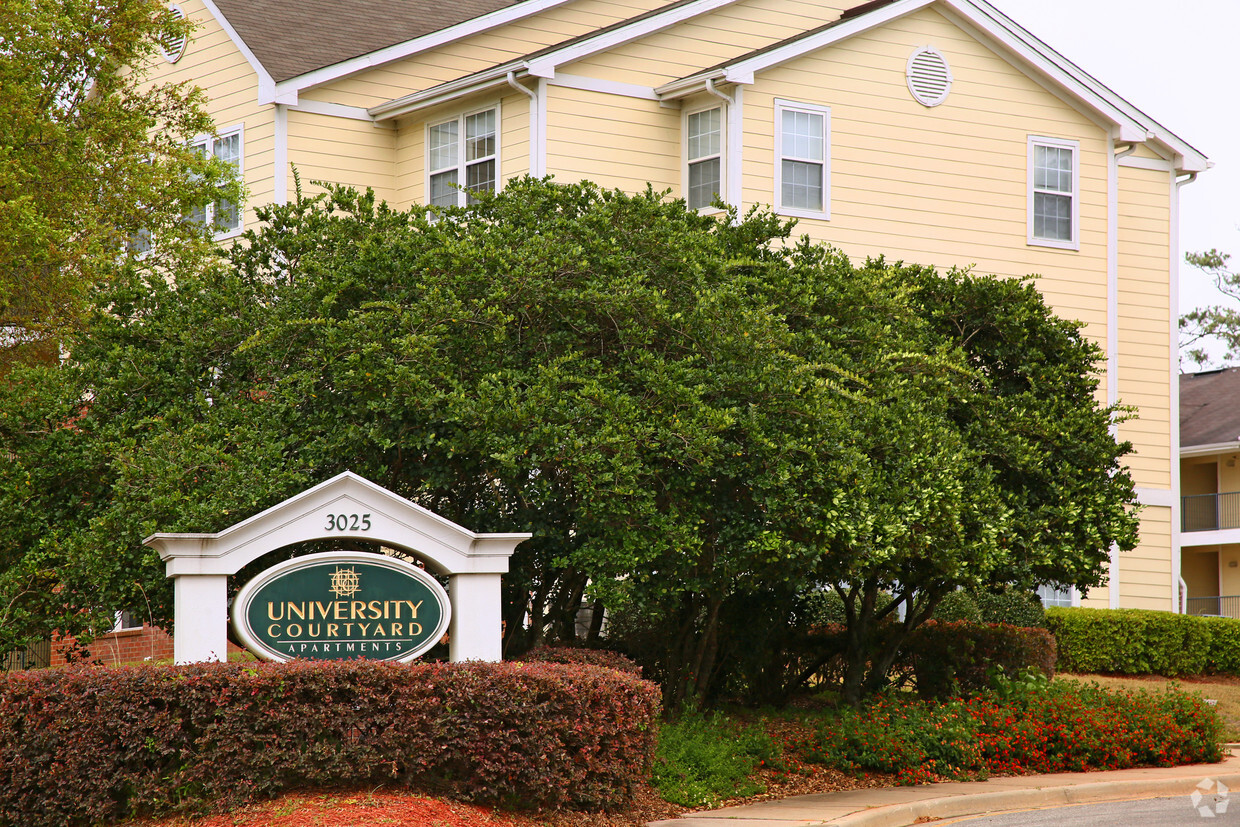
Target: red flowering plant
{"type": "Point", "coordinates": [1047, 727]}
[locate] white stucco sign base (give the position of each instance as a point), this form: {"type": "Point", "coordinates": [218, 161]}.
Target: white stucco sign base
{"type": "Point", "coordinates": [346, 507]}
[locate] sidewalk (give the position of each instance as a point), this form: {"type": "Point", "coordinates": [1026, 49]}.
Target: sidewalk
{"type": "Point", "coordinates": [900, 806]}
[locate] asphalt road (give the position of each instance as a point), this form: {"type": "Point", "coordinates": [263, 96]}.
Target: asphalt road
{"type": "Point", "coordinates": [1208, 809]}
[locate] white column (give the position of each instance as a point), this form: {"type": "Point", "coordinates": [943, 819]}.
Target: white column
{"type": "Point", "coordinates": [476, 632]}
{"type": "Point", "coordinates": [201, 615]}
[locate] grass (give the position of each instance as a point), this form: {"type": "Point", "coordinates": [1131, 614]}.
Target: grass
{"type": "Point", "coordinates": [1221, 688]}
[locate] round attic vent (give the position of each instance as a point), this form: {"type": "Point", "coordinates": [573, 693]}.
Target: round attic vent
{"type": "Point", "coordinates": [174, 47]}
{"type": "Point", "coordinates": [929, 77]}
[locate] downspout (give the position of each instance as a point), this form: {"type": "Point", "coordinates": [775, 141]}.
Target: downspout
{"type": "Point", "coordinates": [731, 143]}
{"type": "Point", "coordinates": [537, 162]}
{"type": "Point", "coordinates": [1112, 339]}
{"type": "Point", "coordinates": [1176, 548]}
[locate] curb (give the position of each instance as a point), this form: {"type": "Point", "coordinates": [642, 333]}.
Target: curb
{"type": "Point", "coordinates": [902, 815]}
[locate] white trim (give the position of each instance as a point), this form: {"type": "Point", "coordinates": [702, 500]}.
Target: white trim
{"type": "Point", "coordinates": [607, 87]}
{"type": "Point", "coordinates": [462, 166]}
{"type": "Point", "coordinates": [545, 65]}
{"type": "Point", "coordinates": [337, 110]}
{"type": "Point", "coordinates": [1156, 164]}
{"type": "Point", "coordinates": [1112, 340]}
{"type": "Point", "coordinates": [443, 93]}
{"type": "Point", "coordinates": [1221, 537]}
{"type": "Point", "coordinates": [266, 85]}
{"type": "Point", "coordinates": [734, 147]}
{"type": "Point", "coordinates": [209, 140]}
{"type": "Point", "coordinates": [824, 112]}
{"type": "Point", "coordinates": [1202, 450]}
{"type": "Point", "coordinates": [399, 51]}
{"type": "Point", "coordinates": [1073, 243]}
{"type": "Point", "coordinates": [1035, 59]}
{"type": "Point", "coordinates": [1173, 342]}
{"type": "Point", "coordinates": [540, 146]}
{"type": "Point", "coordinates": [705, 106]}
{"type": "Point", "coordinates": [1156, 497]}
{"type": "Point", "coordinates": [279, 183]}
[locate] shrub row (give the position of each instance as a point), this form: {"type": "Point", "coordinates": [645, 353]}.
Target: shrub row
{"type": "Point", "coordinates": [957, 658]}
{"type": "Point", "coordinates": [86, 745]}
{"type": "Point", "coordinates": [1063, 727]}
{"type": "Point", "coordinates": [591, 657]}
{"type": "Point", "coordinates": [1142, 642]}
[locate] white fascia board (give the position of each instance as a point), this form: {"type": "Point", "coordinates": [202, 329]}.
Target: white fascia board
{"type": "Point", "coordinates": [412, 47]}
{"type": "Point", "coordinates": [1187, 451]}
{"type": "Point", "coordinates": [1133, 125]}
{"type": "Point", "coordinates": [545, 65]}
{"type": "Point", "coordinates": [444, 93]}
{"type": "Point", "coordinates": [266, 85]}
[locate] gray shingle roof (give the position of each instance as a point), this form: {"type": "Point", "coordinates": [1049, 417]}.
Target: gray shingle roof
{"type": "Point", "coordinates": [292, 37]}
{"type": "Point", "coordinates": [1210, 407]}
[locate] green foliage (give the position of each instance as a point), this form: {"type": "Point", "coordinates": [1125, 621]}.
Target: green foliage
{"type": "Point", "coordinates": [92, 154]}
{"type": "Point", "coordinates": [1141, 642]}
{"type": "Point", "coordinates": [954, 659]}
{"type": "Point", "coordinates": [1219, 323]}
{"type": "Point", "coordinates": [86, 746]}
{"type": "Point", "coordinates": [1033, 727]}
{"type": "Point", "coordinates": [702, 760]}
{"type": "Point", "coordinates": [1011, 606]}
{"type": "Point", "coordinates": [958, 605]}
{"type": "Point", "coordinates": [697, 420]}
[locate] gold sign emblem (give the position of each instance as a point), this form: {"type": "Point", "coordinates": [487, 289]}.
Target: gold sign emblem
{"type": "Point", "coordinates": [345, 582]}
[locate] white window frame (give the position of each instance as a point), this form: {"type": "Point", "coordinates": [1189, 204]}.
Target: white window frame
{"type": "Point", "coordinates": [119, 623]}
{"type": "Point", "coordinates": [1047, 593]}
{"type": "Point", "coordinates": [782, 106]}
{"type": "Point", "coordinates": [685, 161]}
{"type": "Point", "coordinates": [1073, 243]}
{"type": "Point", "coordinates": [207, 142]}
{"type": "Point", "coordinates": [462, 195]}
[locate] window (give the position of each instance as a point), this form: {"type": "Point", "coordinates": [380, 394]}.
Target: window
{"type": "Point", "coordinates": [456, 168]}
{"type": "Point", "coordinates": [704, 155]}
{"type": "Point", "coordinates": [222, 215]}
{"type": "Point", "coordinates": [1052, 596]}
{"type": "Point", "coordinates": [802, 149]}
{"type": "Point", "coordinates": [1053, 185]}
{"type": "Point", "coordinates": [126, 621]}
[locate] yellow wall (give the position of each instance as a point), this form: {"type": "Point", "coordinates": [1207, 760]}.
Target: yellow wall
{"type": "Point", "coordinates": [1200, 570]}
{"type": "Point", "coordinates": [1199, 475]}
{"type": "Point", "coordinates": [212, 62]}
{"type": "Point", "coordinates": [479, 52]}
{"type": "Point", "coordinates": [1229, 569]}
{"type": "Point", "coordinates": [612, 140]}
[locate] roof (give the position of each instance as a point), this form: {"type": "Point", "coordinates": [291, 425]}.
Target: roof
{"type": "Point", "coordinates": [293, 37]}
{"type": "Point", "coordinates": [1209, 414]}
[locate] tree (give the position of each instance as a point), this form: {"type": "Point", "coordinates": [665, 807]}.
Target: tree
{"type": "Point", "coordinates": [92, 156]}
{"type": "Point", "coordinates": [1216, 322]}
{"type": "Point", "coordinates": [690, 415]}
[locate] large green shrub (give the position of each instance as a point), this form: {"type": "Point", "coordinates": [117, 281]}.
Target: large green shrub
{"type": "Point", "coordinates": [958, 605]}
{"type": "Point", "coordinates": [1012, 607]}
{"type": "Point", "coordinates": [954, 659]}
{"type": "Point", "coordinates": [81, 746]}
{"type": "Point", "coordinates": [1142, 642]}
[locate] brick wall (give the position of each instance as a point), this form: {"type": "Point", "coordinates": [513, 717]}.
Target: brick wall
{"type": "Point", "coordinates": [150, 644]}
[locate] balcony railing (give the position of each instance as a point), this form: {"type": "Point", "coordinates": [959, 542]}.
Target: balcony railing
{"type": "Point", "coordinates": [1222, 606]}
{"type": "Point", "coordinates": [1210, 512]}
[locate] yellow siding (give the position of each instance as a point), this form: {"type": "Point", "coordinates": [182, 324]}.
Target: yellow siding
{"type": "Point", "coordinates": [1229, 569]}
{"type": "Point", "coordinates": [1145, 356]}
{"type": "Point", "coordinates": [1145, 574]}
{"type": "Point", "coordinates": [479, 52]}
{"type": "Point", "coordinates": [612, 140]}
{"type": "Point", "coordinates": [947, 185]}
{"type": "Point", "coordinates": [706, 40]}
{"type": "Point", "coordinates": [212, 62]}
{"type": "Point", "coordinates": [342, 151]}
{"type": "Point", "coordinates": [410, 144]}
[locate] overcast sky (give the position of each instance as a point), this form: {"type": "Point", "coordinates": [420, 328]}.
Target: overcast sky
{"type": "Point", "coordinates": [1178, 62]}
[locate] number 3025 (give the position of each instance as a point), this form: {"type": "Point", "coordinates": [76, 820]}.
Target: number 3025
{"type": "Point", "coordinates": [348, 522]}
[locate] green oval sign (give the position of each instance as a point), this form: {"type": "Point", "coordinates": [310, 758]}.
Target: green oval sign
{"type": "Point", "coordinates": [340, 605]}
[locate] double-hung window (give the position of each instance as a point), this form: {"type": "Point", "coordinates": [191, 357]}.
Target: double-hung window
{"type": "Point", "coordinates": [802, 159]}
{"type": "Point", "coordinates": [462, 158]}
{"type": "Point", "coordinates": [222, 215]}
{"type": "Point", "coordinates": [1052, 596]}
{"type": "Point", "coordinates": [704, 156]}
{"type": "Point", "coordinates": [1054, 201]}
